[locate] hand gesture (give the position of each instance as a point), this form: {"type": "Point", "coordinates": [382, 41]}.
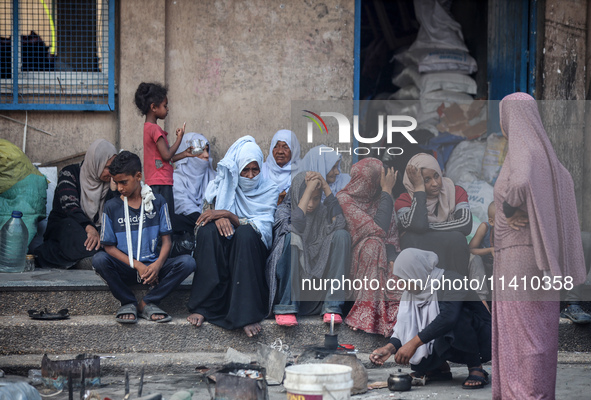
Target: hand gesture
{"type": "Point", "coordinates": [180, 132]}
{"type": "Point", "coordinates": [92, 241]}
{"type": "Point", "coordinates": [518, 220]}
{"type": "Point", "coordinates": [388, 179]}
{"type": "Point", "coordinates": [415, 177]}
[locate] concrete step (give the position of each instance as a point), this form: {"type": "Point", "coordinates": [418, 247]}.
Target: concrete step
{"type": "Point", "coordinates": [81, 292]}
{"type": "Point", "coordinates": [102, 334]}
{"type": "Point", "coordinates": [92, 327]}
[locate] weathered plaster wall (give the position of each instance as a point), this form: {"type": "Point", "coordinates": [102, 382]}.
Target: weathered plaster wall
{"type": "Point", "coordinates": [142, 44]}
{"type": "Point", "coordinates": [563, 78]}
{"type": "Point", "coordinates": [233, 66]}
{"type": "Point", "coordinates": [72, 132]}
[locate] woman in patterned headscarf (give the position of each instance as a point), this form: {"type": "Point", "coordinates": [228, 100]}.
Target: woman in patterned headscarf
{"type": "Point", "coordinates": [368, 208]}
{"type": "Point", "coordinates": [434, 214]}
{"type": "Point", "coordinates": [536, 236]}
{"type": "Point", "coordinates": [73, 225]}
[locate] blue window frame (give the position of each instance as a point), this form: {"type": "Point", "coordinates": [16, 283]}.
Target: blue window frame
{"type": "Point", "coordinates": [57, 55]}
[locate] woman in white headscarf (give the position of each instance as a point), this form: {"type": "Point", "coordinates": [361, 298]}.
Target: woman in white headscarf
{"type": "Point", "coordinates": [436, 324]}
{"type": "Point", "coordinates": [328, 164]}
{"type": "Point", "coordinates": [191, 177]}
{"type": "Point", "coordinates": [283, 160]}
{"type": "Point", "coordinates": [74, 222]}
{"type": "Point", "coordinates": [234, 234]}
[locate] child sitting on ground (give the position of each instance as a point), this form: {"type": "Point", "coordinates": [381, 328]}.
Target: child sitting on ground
{"type": "Point", "coordinates": [131, 225]}
{"type": "Point", "coordinates": [482, 244]}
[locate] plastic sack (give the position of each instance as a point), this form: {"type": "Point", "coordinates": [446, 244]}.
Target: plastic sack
{"type": "Point", "coordinates": [438, 29]}
{"type": "Point", "coordinates": [402, 107]}
{"type": "Point", "coordinates": [410, 92]}
{"type": "Point", "coordinates": [27, 196]}
{"type": "Point", "coordinates": [465, 162]}
{"type": "Point", "coordinates": [447, 60]}
{"type": "Point", "coordinates": [494, 156]}
{"type": "Point", "coordinates": [18, 391]}
{"type": "Point", "coordinates": [51, 174]}
{"type": "Point", "coordinates": [447, 81]}
{"type": "Point", "coordinates": [480, 195]}
{"type": "Point", "coordinates": [431, 101]}
{"type": "Point", "coordinates": [14, 165]}
{"type": "Point", "coordinates": [409, 76]}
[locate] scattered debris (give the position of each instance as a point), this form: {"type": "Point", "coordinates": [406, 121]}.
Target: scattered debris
{"type": "Point", "coordinates": [234, 356]}
{"type": "Point", "coordinates": [231, 386]}
{"type": "Point", "coordinates": [84, 367]}
{"type": "Point", "coordinates": [273, 360]}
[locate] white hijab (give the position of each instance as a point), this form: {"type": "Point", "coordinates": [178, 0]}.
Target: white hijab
{"type": "Point", "coordinates": [417, 311]}
{"type": "Point", "coordinates": [282, 175]}
{"type": "Point", "coordinates": [93, 190]}
{"type": "Point", "coordinates": [254, 199]}
{"type": "Point", "coordinates": [323, 163]}
{"type": "Point", "coordinates": [191, 177]}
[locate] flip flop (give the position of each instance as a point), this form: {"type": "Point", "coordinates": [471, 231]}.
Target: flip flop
{"type": "Point", "coordinates": [127, 309]}
{"type": "Point", "coordinates": [151, 309]}
{"type": "Point", "coordinates": [48, 315]}
{"type": "Point", "coordinates": [337, 318]}
{"type": "Point", "coordinates": [286, 319]}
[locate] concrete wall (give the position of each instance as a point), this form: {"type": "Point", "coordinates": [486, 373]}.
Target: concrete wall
{"type": "Point", "coordinates": [232, 68]}
{"type": "Point", "coordinates": [564, 78]}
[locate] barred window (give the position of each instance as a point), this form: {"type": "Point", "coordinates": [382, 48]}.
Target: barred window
{"type": "Point", "coordinates": [57, 55]}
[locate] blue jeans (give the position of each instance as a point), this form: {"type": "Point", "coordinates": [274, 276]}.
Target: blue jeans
{"type": "Point", "coordinates": [288, 278]}
{"type": "Point", "coordinates": [120, 276]}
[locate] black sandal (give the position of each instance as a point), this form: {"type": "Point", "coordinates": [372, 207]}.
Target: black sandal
{"type": "Point", "coordinates": [48, 315]}
{"type": "Point", "coordinates": [483, 380]}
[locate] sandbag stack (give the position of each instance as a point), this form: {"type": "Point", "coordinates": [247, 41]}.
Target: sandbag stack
{"type": "Point", "coordinates": [436, 72]}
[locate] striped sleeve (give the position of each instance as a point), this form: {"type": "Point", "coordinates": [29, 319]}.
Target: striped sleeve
{"type": "Point", "coordinates": [462, 216]}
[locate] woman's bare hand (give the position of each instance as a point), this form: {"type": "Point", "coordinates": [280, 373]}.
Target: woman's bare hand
{"type": "Point", "coordinates": [415, 177]}
{"type": "Point", "coordinates": [519, 220]}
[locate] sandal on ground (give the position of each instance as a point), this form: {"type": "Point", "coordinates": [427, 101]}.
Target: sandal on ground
{"type": "Point", "coordinates": [127, 309]}
{"type": "Point", "coordinates": [337, 318]}
{"type": "Point", "coordinates": [483, 380]}
{"type": "Point", "coordinates": [286, 319]}
{"type": "Point", "coordinates": [48, 315]}
{"type": "Point", "coordinates": [151, 309]}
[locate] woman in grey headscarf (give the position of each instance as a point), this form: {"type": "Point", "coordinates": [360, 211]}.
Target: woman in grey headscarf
{"type": "Point", "coordinates": [310, 242]}
{"type": "Point", "coordinates": [74, 222]}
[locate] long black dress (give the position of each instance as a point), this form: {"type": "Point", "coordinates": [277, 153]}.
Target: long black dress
{"type": "Point", "coordinates": [461, 332]}
{"type": "Point", "coordinates": [63, 241]}
{"type": "Point", "coordinates": [229, 287]}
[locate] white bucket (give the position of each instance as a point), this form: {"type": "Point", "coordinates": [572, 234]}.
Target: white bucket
{"type": "Point", "coordinates": [318, 382]}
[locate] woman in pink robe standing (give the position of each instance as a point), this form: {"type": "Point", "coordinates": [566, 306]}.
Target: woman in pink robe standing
{"type": "Point", "coordinates": [536, 235]}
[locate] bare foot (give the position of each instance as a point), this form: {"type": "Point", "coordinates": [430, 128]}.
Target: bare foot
{"type": "Point", "coordinates": [252, 329]}
{"type": "Point", "coordinates": [154, 317]}
{"type": "Point", "coordinates": [126, 316]}
{"type": "Point", "coordinates": [196, 319]}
